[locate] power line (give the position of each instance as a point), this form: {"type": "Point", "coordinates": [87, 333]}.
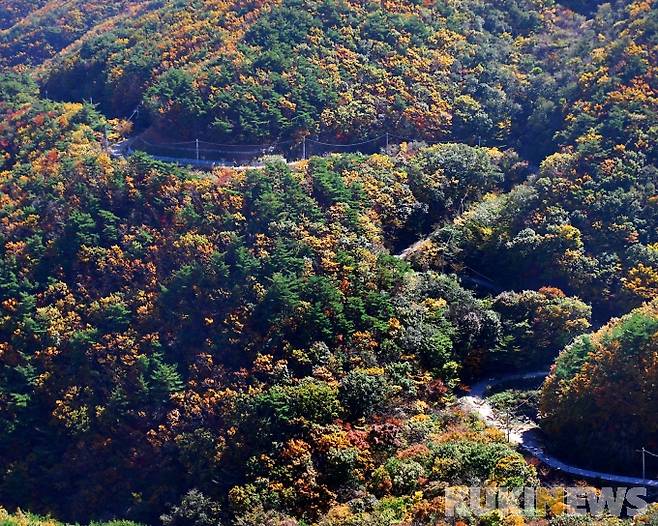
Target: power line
{"type": "Point", "coordinates": [413, 139]}
{"type": "Point", "coordinates": [386, 136]}
{"type": "Point", "coordinates": [347, 145]}
{"type": "Point", "coordinates": [133, 114]}
{"type": "Point", "coordinates": [198, 151]}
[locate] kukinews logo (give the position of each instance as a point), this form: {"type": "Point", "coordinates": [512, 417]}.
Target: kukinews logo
{"type": "Point", "coordinates": [461, 501]}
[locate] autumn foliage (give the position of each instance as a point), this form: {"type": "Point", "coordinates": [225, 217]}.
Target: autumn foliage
{"type": "Point", "coordinates": [248, 346]}
{"type": "Point", "coordinates": [603, 385]}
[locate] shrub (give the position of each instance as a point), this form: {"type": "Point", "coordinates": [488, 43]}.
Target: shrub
{"type": "Point", "coordinates": [195, 509]}
{"type": "Point", "coordinates": [400, 477]}
{"type": "Point", "coordinates": [363, 392]}
{"type": "Point", "coordinates": [513, 472]}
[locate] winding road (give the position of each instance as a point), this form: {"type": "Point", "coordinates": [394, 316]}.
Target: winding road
{"type": "Point", "coordinates": [527, 436]}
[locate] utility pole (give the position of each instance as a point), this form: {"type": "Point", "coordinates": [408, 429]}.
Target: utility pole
{"type": "Point", "coordinates": [304, 149]}
{"type": "Point", "coordinates": [509, 424]}
{"type": "Point", "coordinates": [196, 142]}
{"type": "Point", "coordinates": [644, 463]}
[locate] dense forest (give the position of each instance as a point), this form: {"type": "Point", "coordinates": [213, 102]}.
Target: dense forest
{"type": "Point", "coordinates": [247, 346]}
{"type": "Point", "coordinates": [586, 220]}
{"type": "Point", "coordinates": [253, 72]}
{"type": "Point", "coordinates": [616, 361]}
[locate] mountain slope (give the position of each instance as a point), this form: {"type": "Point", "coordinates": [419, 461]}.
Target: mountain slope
{"type": "Point", "coordinates": [16, 10]}
{"type": "Point", "coordinates": [262, 71]}
{"type": "Point", "coordinates": [604, 384]}
{"type": "Point", "coordinates": [591, 210]}
{"type": "Point", "coordinates": [35, 31]}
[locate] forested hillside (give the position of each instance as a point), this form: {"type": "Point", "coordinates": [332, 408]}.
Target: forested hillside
{"type": "Point", "coordinates": [618, 364]}
{"type": "Point", "coordinates": [36, 30]}
{"type": "Point", "coordinates": [266, 71]}
{"type": "Point", "coordinates": [587, 220]}
{"type": "Point", "coordinates": [153, 318]}
{"type": "Point", "coordinates": [14, 12]}
{"type": "Point", "coordinates": [247, 346]}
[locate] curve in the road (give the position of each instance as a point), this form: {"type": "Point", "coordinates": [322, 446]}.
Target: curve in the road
{"type": "Point", "coordinates": [527, 437]}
